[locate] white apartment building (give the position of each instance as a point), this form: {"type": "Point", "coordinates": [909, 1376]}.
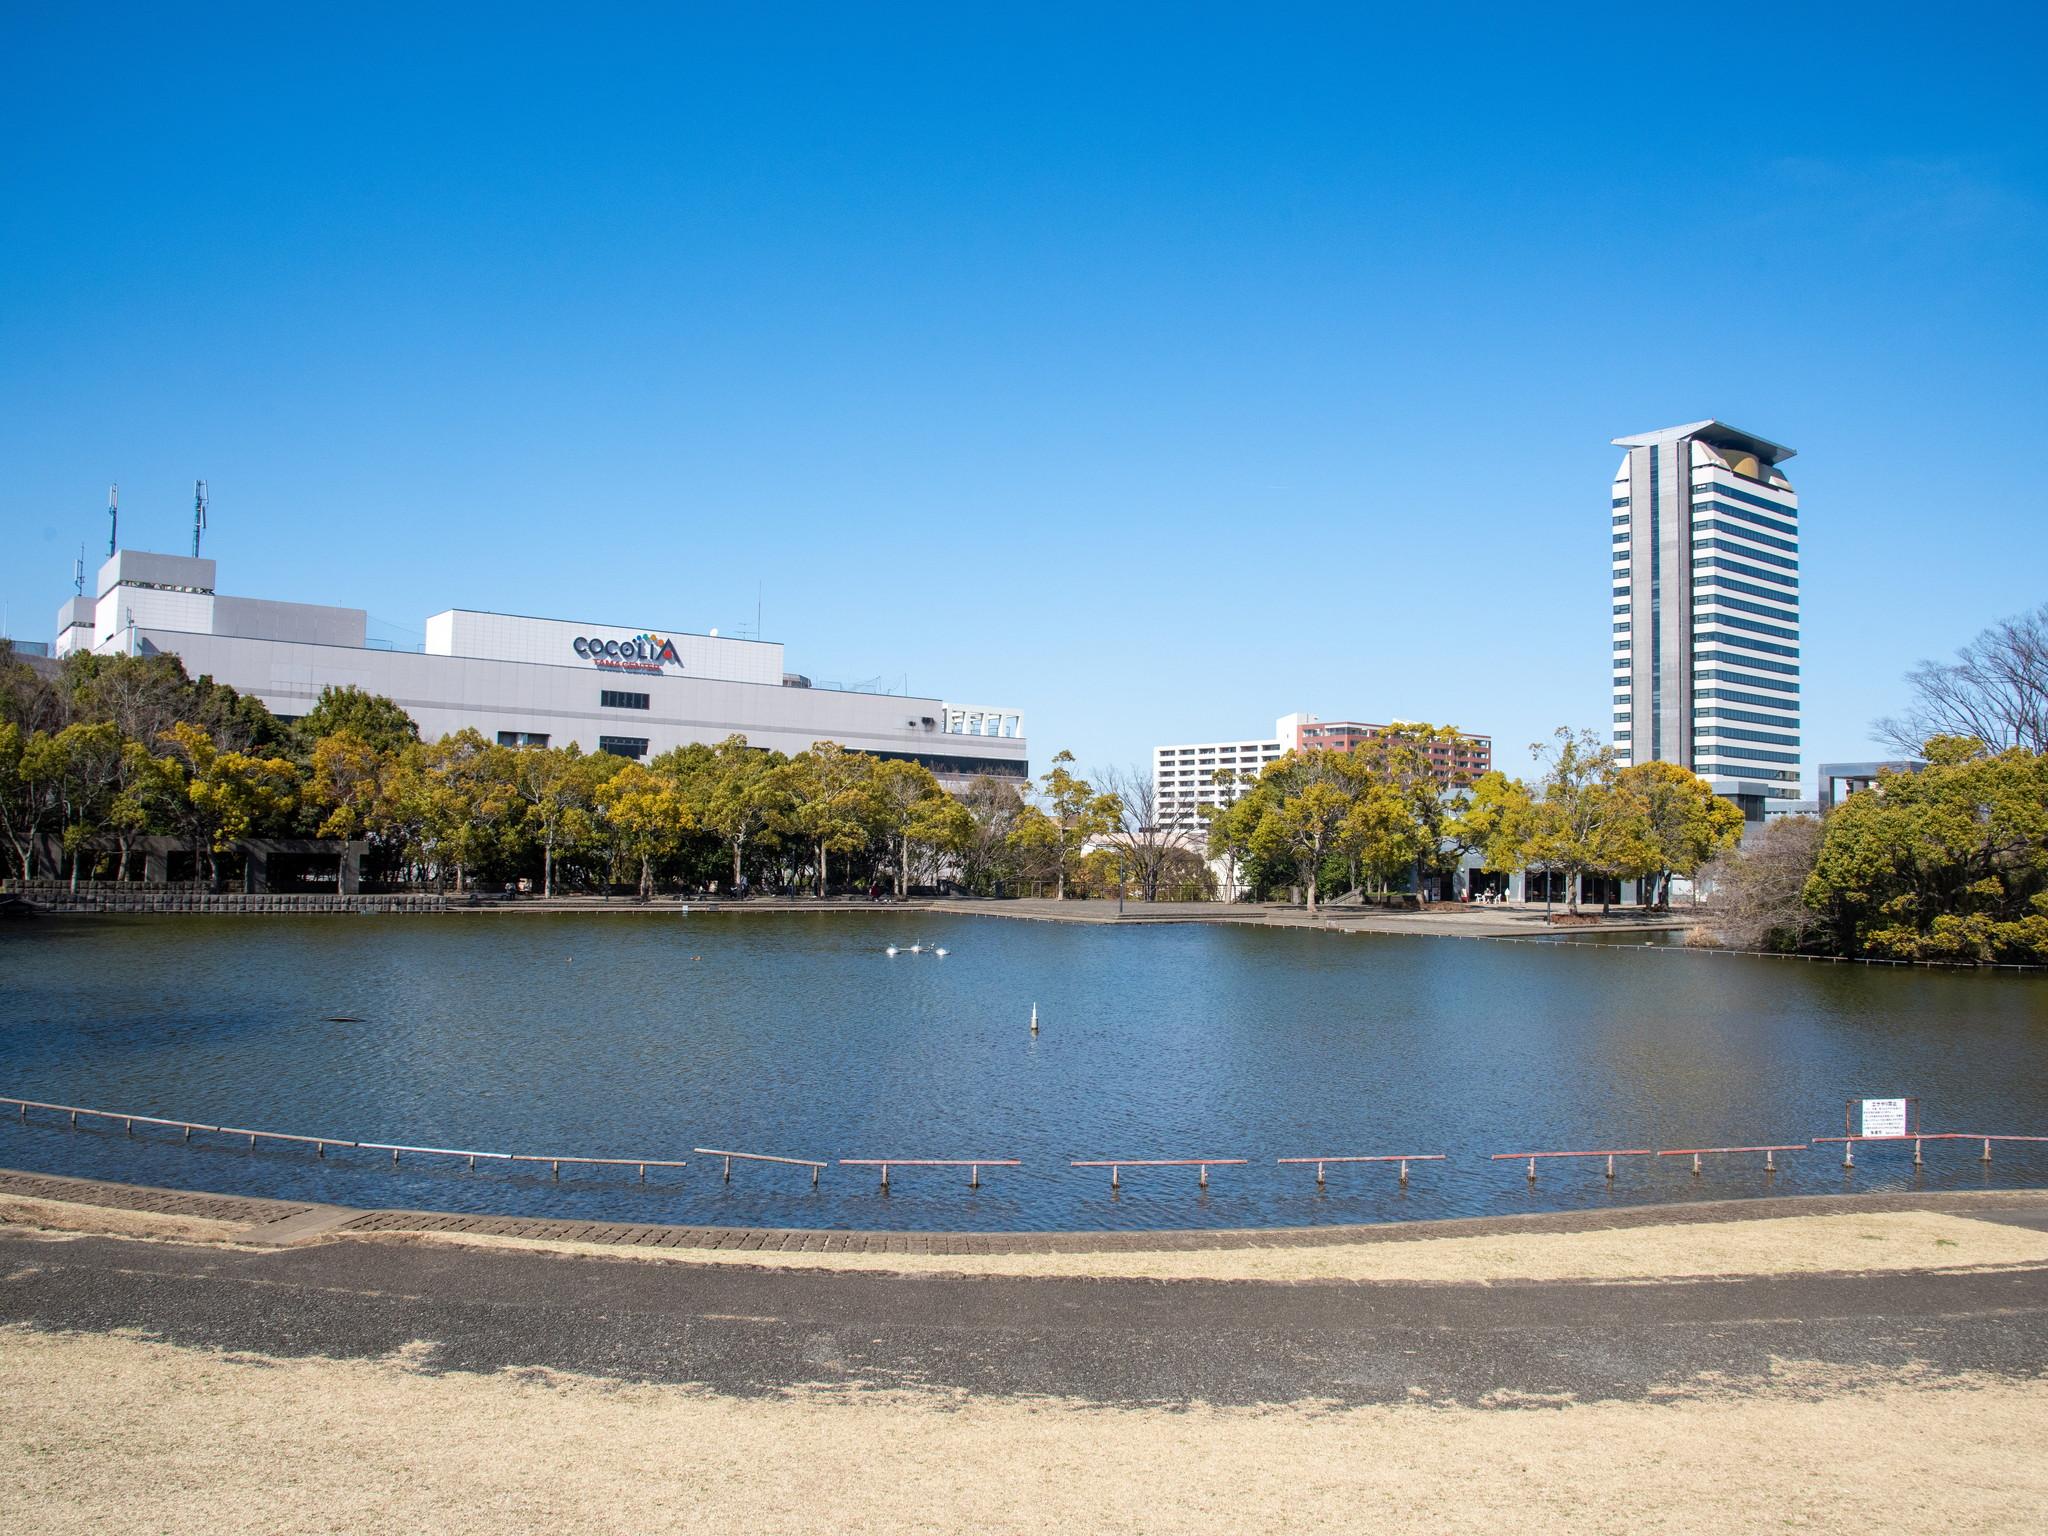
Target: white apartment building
{"type": "Point", "coordinates": [635, 692]}
{"type": "Point", "coordinates": [1184, 774]}
{"type": "Point", "coordinates": [1706, 610]}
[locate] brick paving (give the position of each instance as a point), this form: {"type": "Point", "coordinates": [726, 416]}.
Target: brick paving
{"type": "Point", "coordinates": [243, 1210]}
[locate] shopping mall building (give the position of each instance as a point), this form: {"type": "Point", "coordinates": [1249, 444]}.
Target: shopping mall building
{"type": "Point", "coordinates": [616, 688]}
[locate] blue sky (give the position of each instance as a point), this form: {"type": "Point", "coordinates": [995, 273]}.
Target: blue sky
{"type": "Point", "coordinates": [1154, 370]}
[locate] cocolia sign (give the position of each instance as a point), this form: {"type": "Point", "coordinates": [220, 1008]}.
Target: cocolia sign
{"type": "Point", "coordinates": [642, 653]}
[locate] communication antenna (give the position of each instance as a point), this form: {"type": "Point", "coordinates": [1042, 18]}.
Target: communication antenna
{"type": "Point", "coordinates": [198, 514]}
{"type": "Point", "coordinates": [78, 573]}
{"type": "Point", "coordinates": [113, 519]}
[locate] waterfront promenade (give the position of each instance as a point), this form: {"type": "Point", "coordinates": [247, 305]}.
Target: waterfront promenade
{"type": "Point", "coordinates": [1444, 918]}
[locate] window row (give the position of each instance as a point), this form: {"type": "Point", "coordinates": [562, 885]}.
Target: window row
{"type": "Point", "coordinates": [1702, 525]}
{"type": "Point", "coordinates": [1704, 656]}
{"type": "Point", "coordinates": [1732, 696]}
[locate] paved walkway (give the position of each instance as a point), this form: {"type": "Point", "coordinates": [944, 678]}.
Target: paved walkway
{"type": "Point", "coordinates": [751, 1331]}
{"type": "Point", "coordinates": [1440, 919]}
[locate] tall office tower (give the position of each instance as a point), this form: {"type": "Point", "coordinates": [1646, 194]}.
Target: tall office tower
{"type": "Point", "coordinates": [1706, 610]}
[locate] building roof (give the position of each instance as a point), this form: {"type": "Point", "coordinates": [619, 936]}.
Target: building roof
{"type": "Point", "coordinates": [1718, 433]}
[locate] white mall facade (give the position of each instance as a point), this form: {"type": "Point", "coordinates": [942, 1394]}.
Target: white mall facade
{"type": "Point", "coordinates": [625, 689]}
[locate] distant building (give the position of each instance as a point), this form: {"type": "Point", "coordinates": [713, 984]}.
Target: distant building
{"type": "Point", "coordinates": [1706, 610]}
{"type": "Point", "coordinates": [523, 681]}
{"type": "Point", "coordinates": [1838, 781]}
{"type": "Point", "coordinates": [1463, 759]}
{"type": "Point", "coordinates": [1184, 773]}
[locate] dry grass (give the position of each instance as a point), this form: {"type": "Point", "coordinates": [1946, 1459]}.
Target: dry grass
{"type": "Point", "coordinates": [72, 1216]}
{"type": "Point", "coordinates": [1786, 1245]}
{"type": "Point", "coordinates": [111, 1434]}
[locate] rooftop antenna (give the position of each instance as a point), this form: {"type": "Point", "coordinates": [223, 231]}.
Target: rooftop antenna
{"type": "Point", "coordinates": [78, 573]}
{"type": "Point", "coordinates": [198, 514]}
{"type": "Point", "coordinates": [113, 519]}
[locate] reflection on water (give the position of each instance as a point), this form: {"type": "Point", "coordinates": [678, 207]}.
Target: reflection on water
{"type": "Point", "coordinates": [646, 1035]}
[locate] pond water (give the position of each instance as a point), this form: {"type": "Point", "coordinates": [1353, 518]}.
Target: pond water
{"type": "Point", "coordinates": [649, 1034]}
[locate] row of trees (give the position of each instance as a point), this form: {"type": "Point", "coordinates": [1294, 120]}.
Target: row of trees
{"type": "Point", "coordinates": [117, 748]}
{"type": "Point", "coordinates": [1384, 814]}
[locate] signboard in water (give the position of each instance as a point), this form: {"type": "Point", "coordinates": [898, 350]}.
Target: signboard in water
{"type": "Point", "coordinates": [1884, 1117]}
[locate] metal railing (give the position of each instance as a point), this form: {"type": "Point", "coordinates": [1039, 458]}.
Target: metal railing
{"type": "Point", "coordinates": [760, 1157]}
{"type": "Point", "coordinates": [129, 1120]}
{"type": "Point", "coordinates": [1848, 1143]}
{"type": "Point", "coordinates": [1770, 1154]}
{"type": "Point", "coordinates": [1610, 1153]}
{"type": "Point", "coordinates": [1116, 1165]}
{"type": "Point", "coordinates": [320, 1144]}
{"type": "Point", "coordinates": [1403, 1158]}
{"type": "Point", "coordinates": [976, 1164]}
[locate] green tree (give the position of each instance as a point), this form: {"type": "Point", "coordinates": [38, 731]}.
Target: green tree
{"type": "Point", "coordinates": [903, 797]}
{"type": "Point", "coordinates": [940, 828]}
{"type": "Point", "coordinates": [1383, 834]}
{"type": "Point", "coordinates": [830, 802]}
{"type": "Point", "coordinates": [1416, 797]}
{"type": "Point", "coordinates": [553, 787]}
{"type": "Point", "coordinates": [1948, 864]}
{"type": "Point", "coordinates": [88, 772]}
{"type": "Point", "coordinates": [218, 796]}
{"type": "Point", "coordinates": [737, 794]}
{"type": "Point", "coordinates": [648, 814]}
{"type": "Point", "coordinates": [1071, 812]}
{"type": "Point", "coordinates": [1297, 812]}
{"type": "Point", "coordinates": [1498, 822]}
{"type": "Point", "coordinates": [345, 784]}
{"type": "Point", "coordinates": [1673, 824]}
{"type": "Point", "coordinates": [31, 793]}
{"type": "Point", "coordinates": [369, 717]}
{"type": "Point", "coordinates": [1579, 819]}
{"type": "Point", "coordinates": [452, 805]}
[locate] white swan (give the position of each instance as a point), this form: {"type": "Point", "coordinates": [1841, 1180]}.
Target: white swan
{"type": "Point", "coordinates": [917, 949]}
{"type": "Point", "coordinates": [891, 950]}
{"type": "Point", "coordinates": [938, 951]}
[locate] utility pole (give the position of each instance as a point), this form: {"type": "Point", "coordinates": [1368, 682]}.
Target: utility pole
{"type": "Point", "coordinates": [113, 519]}
{"type": "Point", "coordinates": [198, 514]}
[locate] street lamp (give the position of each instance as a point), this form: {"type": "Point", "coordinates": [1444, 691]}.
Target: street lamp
{"type": "Point", "coordinates": [1119, 887]}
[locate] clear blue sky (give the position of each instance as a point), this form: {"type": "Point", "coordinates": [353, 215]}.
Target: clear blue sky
{"type": "Point", "coordinates": [1155, 372]}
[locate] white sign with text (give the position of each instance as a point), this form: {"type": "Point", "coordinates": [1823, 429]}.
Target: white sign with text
{"type": "Point", "coordinates": [1884, 1117]}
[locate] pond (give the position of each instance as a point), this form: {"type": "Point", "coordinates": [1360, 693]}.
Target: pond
{"type": "Point", "coordinates": [644, 1035]}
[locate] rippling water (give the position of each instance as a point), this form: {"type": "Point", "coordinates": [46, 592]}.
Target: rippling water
{"type": "Point", "coordinates": [645, 1035]}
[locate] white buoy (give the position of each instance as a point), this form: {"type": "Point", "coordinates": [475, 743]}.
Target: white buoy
{"type": "Point", "coordinates": [1034, 1018]}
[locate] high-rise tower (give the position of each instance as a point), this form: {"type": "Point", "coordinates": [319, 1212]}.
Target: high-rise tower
{"type": "Point", "coordinates": [1706, 610]}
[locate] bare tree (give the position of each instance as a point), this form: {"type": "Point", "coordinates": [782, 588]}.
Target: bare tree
{"type": "Point", "coordinates": [1758, 891]}
{"type": "Point", "coordinates": [1995, 690]}
{"type": "Point", "coordinates": [994, 807]}
{"type": "Point", "coordinates": [1146, 842]}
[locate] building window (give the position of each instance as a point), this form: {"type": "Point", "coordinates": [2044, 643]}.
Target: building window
{"type": "Point", "coordinates": [611, 698]}
{"type": "Point", "coordinates": [623, 746]}
{"type": "Point", "coordinates": [522, 738]}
